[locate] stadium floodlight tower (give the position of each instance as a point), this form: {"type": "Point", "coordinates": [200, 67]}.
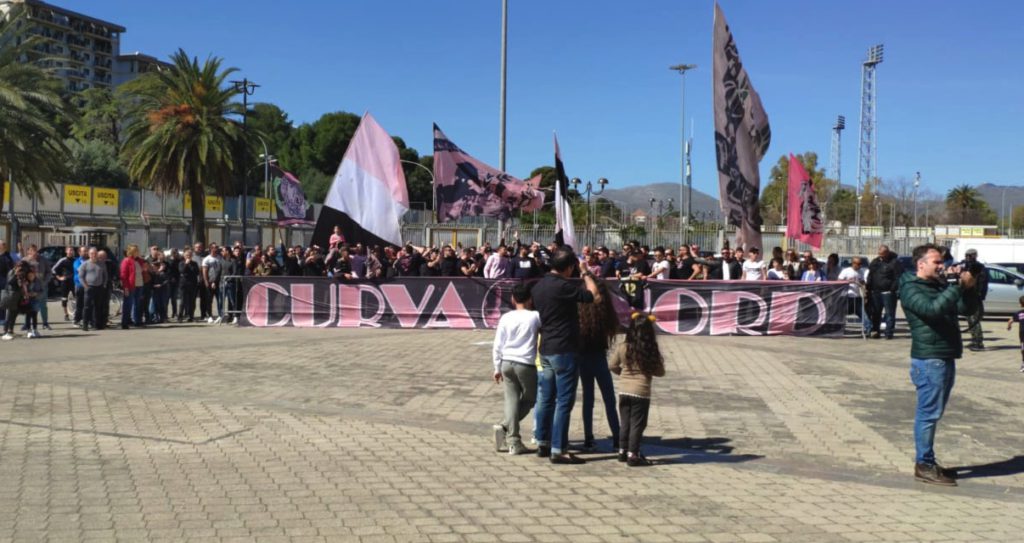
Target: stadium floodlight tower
{"type": "Point", "coordinates": [835, 154]}
{"type": "Point", "coordinates": [866, 167]}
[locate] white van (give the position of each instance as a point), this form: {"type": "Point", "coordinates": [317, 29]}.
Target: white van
{"type": "Point", "coordinates": [1004, 252]}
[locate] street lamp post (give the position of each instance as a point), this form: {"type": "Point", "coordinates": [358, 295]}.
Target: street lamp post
{"type": "Point", "coordinates": [246, 88]}
{"type": "Point", "coordinates": [917, 183]}
{"type": "Point", "coordinates": [685, 180]}
{"type": "Point", "coordinates": [589, 191]}
{"type": "Point", "coordinates": [433, 193]}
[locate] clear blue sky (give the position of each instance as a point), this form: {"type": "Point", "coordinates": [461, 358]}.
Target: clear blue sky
{"type": "Point", "coordinates": [949, 90]}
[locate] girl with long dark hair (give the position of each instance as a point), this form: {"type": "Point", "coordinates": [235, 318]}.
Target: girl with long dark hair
{"type": "Point", "coordinates": [599, 325]}
{"type": "Point", "coordinates": [637, 360]}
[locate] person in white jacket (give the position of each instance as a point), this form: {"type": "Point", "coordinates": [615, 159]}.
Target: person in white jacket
{"type": "Point", "coordinates": [514, 356]}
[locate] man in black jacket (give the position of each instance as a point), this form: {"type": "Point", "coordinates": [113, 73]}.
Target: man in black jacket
{"type": "Point", "coordinates": [6, 265]}
{"type": "Point", "coordinates": [883, 289]}
{"type": "Point", "coordinates": [972, 265]}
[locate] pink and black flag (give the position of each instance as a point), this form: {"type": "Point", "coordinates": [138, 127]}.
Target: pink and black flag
{"type": "Point", "coordinates": [565, 231]}
{"type": "Point", "coordinates": [742, 135]}
{"type": "Point", "coordinates": [466, 187]}
{"type": "Point", "coordinates": [292, 206]}
{"type": "Point", "coordinates": [368, 196]}
{"type": "Point", "coordinates": [803, 216]}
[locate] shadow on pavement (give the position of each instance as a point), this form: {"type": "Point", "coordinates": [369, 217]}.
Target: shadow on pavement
{"type": "Point", "coordinates": [1010, 466]}
{"type": "Point", "coordinates": [705, 450]}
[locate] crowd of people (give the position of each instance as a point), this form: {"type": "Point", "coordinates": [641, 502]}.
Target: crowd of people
{"type": "Point", "coordinates": [201, 284]}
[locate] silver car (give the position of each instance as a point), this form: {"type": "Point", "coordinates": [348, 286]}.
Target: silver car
{"type": "Point", "coordinates": [1005, 287]}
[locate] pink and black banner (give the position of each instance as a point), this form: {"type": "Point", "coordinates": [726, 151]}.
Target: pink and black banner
{"type": "Point", "coordinates": [756, 308]}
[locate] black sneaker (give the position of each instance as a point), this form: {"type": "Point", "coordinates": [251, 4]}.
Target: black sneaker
{"type": "Point", "coordinates": [976, 348]}
{"type": "Point", "coordinates": [623, 456]}
{"type": "Point", "coordinates": [566, 458]}
{"type": "Point", "coordinates": [543, 452]}
{"type": "Point", "coordinates": [588, 446]}
{"type": "Point", "coordinates": [638, 461]}
{"type": "Point", "coordinates": [932, 474]}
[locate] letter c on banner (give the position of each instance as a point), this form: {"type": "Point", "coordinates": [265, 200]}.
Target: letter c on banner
{"type": "Point", "coordinates": [667, 308]}
{"type": "Point", "coordinates": [257, 304]}
{"type": "Point", "coordinates": [726, 316]}
{"type": "Point", "coordinates": [786, 310]}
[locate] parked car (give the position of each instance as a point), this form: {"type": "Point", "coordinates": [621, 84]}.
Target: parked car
{"type": "Point", "coordinates": [1005, 287]}
{"type": "Point", "coordinates": [1017, 267]}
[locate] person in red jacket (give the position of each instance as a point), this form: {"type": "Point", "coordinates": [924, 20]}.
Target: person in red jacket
{"type": "Point", "coordinates": [132, 282]}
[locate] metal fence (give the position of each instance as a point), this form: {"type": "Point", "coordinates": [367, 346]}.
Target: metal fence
{"type": "Point", "coordinates": [709, 238]}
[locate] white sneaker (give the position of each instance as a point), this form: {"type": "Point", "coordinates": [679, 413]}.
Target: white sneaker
{"type": "Point", "coordinates": [30, 335]}
{"type": "Point", "coordinates": [219, 320]}
{"type": "Point", "coordinates": [7, 337]}
{"type": "Point", "coordinates": [209, 320]}
{"type": "Point", "coordinates": [36, 334]}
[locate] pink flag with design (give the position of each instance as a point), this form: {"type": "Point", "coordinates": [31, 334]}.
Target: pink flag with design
{"type": "Point", "coordinates": [803, 214]}
{"type": "Point", "coordinates": [466, 187]}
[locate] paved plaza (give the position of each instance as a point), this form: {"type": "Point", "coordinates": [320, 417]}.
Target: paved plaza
{"type": "Point", "coordinates": [216, 433]}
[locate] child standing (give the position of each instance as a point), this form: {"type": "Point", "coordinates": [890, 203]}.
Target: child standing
{"type": "Point", "coordinates": [1018, 317]}
{"type": "Point", "coordinates": [514, 354]}
{"type": "Point", "coordinates": [637, 361]}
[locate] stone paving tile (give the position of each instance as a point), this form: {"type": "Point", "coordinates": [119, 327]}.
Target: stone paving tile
{"type": "Point", "coordinates": [307, 435]}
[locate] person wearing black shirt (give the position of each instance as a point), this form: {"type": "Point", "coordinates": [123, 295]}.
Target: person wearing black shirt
{"type": "Point", "coordinates": [555, 298]}
{"type": "Point", "coordinates": [467, 265]}
{"type": "Point", "coordinates": [234, 266]}
{"type": "Point", "coordinates": [291, 262]}
{"type": "Point", "coordinates": [340, 265]}
{"type": "Point", "coordinates": [313, 266]}
{"type": "Point", "coordinates": [64, 271]}
{"type": "Point", "coordinates": [684, 264]}
{"type": "Point", "coordinates": [173, 281]}
{"type": "Point", "coordinates": [430, 265]}
{"type": "Point", "coordinates": [188, 269]}
{"type": "Point", "coordinates": [449, 262]}
{"type": "Point", "coordinates": [883, 290]}
{"type": "Point", "coordinates": [524, 267]}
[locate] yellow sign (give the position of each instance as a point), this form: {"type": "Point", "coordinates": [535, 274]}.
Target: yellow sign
{"type": "Point", "coordinates": [214, 204]}
{"type": "Point", "coordinates": [77, 195]}
{"type": "Point", "coordinates": [104, 197]}
{"type": "Point", "coordinates": [263, 206]}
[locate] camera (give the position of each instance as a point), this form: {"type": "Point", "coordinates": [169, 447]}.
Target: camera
{"type": "Point", "coordinates": [974, 267]}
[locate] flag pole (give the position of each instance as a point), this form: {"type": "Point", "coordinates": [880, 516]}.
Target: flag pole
{"type": "Point", "coordinates": [504, 76]}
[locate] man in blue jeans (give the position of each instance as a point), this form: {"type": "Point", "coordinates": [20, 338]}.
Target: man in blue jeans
{"type": "Point", "coordinates": [555, 298]}
{"type": "Point", "coordinates": [884, 274]}
{"type": "Point", "coordinates": [931, 304]}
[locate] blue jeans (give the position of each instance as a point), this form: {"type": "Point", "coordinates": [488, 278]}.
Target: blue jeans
{"type": "Point", "coordinates": [886, 301]}
{"type": "Point", "coordinates": [131, 310]}
{"type": "Point", "coordinates": [933, 378]}
{"type": "Point", "coordinates": [594, 367]}
{"type": "Point", "coordinates": [557, 382]}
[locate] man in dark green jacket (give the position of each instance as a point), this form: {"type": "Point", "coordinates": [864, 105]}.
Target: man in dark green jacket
{"type": "Point", "coordinates": [932, 307]}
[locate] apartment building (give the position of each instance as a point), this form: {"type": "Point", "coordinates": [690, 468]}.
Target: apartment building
{"type": "Point", "coordinates": [82, 51]}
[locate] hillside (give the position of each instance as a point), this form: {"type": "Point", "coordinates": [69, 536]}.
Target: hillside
{"type": "Point", "coordinates": [993, 194]}
{"type": "Point", "coordinates": [639, 197]}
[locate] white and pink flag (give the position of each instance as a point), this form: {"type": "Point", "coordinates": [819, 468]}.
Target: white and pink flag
{"type": "Point", "coordinates": [803, 215]}
{"type": "Point", "coordinates": [368, 196]}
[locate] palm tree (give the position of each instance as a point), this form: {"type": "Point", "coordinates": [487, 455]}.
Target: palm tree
{"type": "Point", "coordinates": [32, 154]}
{"type": "Point", "coordinates": [963, 198]}
{"type": "Point", "coordinates": [178, 138]}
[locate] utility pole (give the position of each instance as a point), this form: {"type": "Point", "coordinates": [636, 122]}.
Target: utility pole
{"type": "Point", "coordinates": [246, 88]}
{"type": "Point", "coordinates": [684, 166]}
